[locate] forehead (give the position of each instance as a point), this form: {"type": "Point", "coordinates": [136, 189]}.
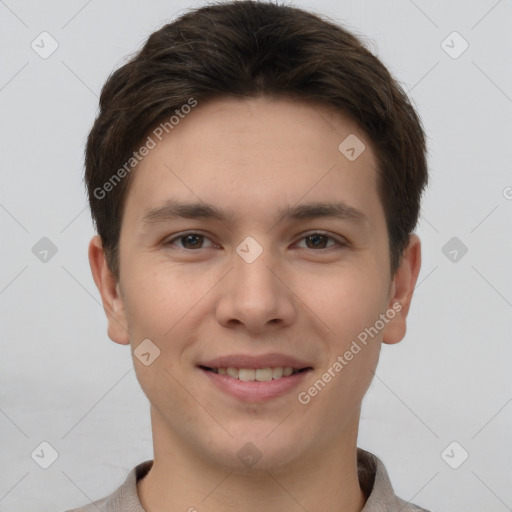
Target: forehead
{"type": "Point", "coordinates": [256, 154]}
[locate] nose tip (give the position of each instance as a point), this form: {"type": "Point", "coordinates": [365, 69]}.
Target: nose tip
{"type": "Point", "coordinates": [254, 325]}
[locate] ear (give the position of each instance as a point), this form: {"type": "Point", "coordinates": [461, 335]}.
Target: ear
{"type": "Point", "coordinates": [401, 291]}
{"type": "Point", "coordinates": [110, 295]}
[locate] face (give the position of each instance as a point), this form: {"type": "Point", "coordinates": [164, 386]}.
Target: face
{"type": "Point", "coordinates": [282, 262]}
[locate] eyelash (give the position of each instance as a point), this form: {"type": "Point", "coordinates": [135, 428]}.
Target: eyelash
{"type": "Point", "coordinates": [338, 242]}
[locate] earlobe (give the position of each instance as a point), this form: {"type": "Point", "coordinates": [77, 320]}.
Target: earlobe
{"type": "Point", "coordinates": [402, 290]}
{"type": "Point", "coordinates": [109, 290]}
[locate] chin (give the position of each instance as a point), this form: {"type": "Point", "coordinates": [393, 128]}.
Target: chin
{"type": "Point", "coordinates": [256, 451]}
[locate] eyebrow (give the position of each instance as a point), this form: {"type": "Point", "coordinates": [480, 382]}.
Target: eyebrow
{"type": "Point", "coordinates": [173, 209]}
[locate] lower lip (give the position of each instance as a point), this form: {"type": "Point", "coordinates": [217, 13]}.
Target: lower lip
{"type": "Point", "coordinates": [255, 391]}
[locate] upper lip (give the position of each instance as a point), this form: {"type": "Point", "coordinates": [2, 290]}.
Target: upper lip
{"type": "Point", "coordinates": [247, 361]}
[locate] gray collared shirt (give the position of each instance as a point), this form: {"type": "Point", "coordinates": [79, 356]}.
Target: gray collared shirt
{"type": "Point", "coordinates": [373, 479]}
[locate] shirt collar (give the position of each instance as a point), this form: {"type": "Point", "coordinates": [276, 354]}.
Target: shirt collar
{"type": "Point", "coordinates": [373, 479]}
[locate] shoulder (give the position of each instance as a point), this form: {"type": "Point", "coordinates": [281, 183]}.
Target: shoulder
{"type": "Point", "coordinates": [376, 484]}
{"type": "Point", "coordinates": [124, 498]}
{"type": "Point", "coordinates": [409, 507]}
{"type": "Point", "coordinates": [94, 506]}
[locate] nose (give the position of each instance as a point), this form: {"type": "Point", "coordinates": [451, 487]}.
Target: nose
{"type": "Point", "coordinates": [256, 296]}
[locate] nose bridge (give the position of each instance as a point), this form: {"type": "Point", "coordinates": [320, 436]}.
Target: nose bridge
{"type": "Point", "coordinates": [254, 284]}
{"type": "Point", "coordinates": [254, 276]}
{"type": "Point", "coordinates": [254, 294]}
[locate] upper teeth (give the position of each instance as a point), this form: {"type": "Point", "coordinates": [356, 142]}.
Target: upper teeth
{"type": "Point", "coordinates": [259, 374]}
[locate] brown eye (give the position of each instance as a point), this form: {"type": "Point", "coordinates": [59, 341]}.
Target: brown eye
{"type": "Point", "coordinates": [316, 241]}
{"type": "Point", "coordinates": [188, 241]}
{"type": "Point", "coordinates": [320, 241]}
{"type": "Point", "coordinates": [191, 241]}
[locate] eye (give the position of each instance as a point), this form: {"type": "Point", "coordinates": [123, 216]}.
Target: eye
{"type": "Point", "coordinates": [189, 240]}
{"type": "Point", "coordinates": [320, 241]}
{"type": "Point", "coordinates": [193, 240]}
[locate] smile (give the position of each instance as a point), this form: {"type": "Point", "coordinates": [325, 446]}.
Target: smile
{"type": "Point", "coordinates": [255, 385]}
{"type": "Point", "coordinates": [258, 374]}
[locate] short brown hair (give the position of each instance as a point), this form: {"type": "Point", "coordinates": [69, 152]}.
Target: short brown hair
{"type": "Point", "coordinates": [245, 49]}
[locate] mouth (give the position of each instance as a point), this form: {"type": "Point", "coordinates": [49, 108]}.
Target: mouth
{"type": "Point", "coordinates": [257, 374]}
{"type": "Point", "coordinates": [255, 385]}
{"type": "Point", "coordinates": [255, 378]}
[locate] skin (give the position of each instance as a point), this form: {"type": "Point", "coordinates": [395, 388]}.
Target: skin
{"type": "Point", "coordinates": [202, 301]}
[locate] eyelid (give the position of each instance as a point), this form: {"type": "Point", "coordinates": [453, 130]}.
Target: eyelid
{"type": "Point", "coordinates": [340, 241]}
{"type": "Point", "coordinates": [177, 236]}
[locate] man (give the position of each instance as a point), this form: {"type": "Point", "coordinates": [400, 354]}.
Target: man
{"type": "Point", "coordinates": [255, 177]}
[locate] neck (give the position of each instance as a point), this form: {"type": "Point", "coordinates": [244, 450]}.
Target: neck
{"type": "Point", "coordinates": [181, 479]}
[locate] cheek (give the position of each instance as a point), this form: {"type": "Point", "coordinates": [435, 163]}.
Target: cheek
{"type": "Point", "coordinates": [347, 301]}
{"type": "Point", "coordinates": [159, 299]}
{"type": "Point", "coordinates": [356, 302]}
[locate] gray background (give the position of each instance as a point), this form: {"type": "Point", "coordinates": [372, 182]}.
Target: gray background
{"type": "Point", "coordinates": [64, 382]}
